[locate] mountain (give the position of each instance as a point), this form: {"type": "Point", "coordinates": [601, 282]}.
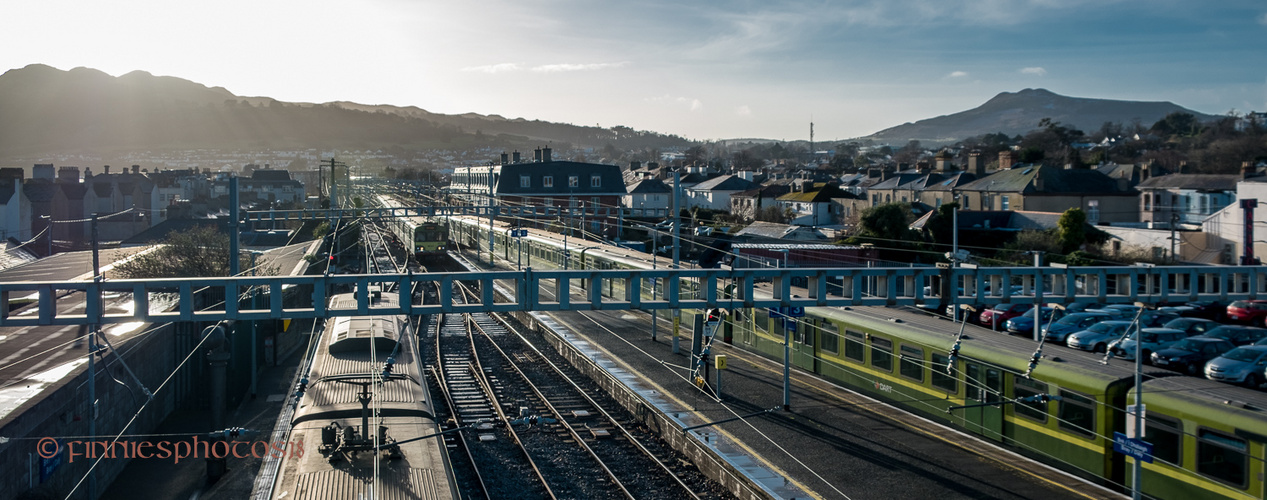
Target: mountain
{"type": "Point", "coordinates": [47, 110]}
{"type": "Point", "coordinates": [1019, 112]}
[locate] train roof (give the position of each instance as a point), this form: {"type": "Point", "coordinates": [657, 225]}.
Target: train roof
{"type": "Point", "coordinates": [1206, 400]}
{"type": "Point", "coordinates": [1075, 369]}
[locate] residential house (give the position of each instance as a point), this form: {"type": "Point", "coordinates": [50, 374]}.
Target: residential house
{"type": "Point", "coordinates": [1184, 198]}
{"type": "Point", "coordinates": [648, 193]}
{"type": "Point", "coordinates": [15, 213]}
{"type": "Point", "coordinates": [1051, 189]}
{"type": "Point", "coordinates": [714, 194]}
{"type": "Point", "coordinates": [814, 206]}
{"type": "Point", "coordinates": [747, 204]}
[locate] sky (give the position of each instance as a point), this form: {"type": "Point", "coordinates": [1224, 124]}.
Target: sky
{"type": "Point", "coordinates": [702, 70]}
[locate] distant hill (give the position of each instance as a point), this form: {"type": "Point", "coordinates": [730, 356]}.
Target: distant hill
{"type": "Point", "coordinates": [47, 110]}
{"type": "Point", "coordinates": [1020, 112]}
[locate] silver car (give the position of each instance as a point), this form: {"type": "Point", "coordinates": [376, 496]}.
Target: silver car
{"type": "Point", "coordinates": [1243, 365]}
{"type": "Point", "coordinates": [1154, 339]}
{"type": "Point", "coordinates": [1097, 337]}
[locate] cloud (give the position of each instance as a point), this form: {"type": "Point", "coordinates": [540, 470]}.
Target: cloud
{"type": "Point", "coordinates": [957, 74]}
{"type": "Point", "coordinates": [1035, 70]}
{"type": "Point", "coordinates": [687, 102]}
{"type": "Point", "coordinates": [493, 68]}
{"type": "Point", "coordinates": [696, 105]}
{"type": "Point", "coordinates": [1262, 19]}
{"type": "Point", "coordinates": [743, 110]}
{"type": "Point", "coordinates": [560, 68]}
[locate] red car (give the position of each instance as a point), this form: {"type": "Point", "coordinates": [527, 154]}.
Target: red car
{"type": "Point", "coordinates": [996, 317]}
{"type": "Point", "coordinates": [1248, 311]}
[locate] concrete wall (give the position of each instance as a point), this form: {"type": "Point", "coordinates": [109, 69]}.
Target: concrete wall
{"type": "Point", "coordinates": [65, 410]}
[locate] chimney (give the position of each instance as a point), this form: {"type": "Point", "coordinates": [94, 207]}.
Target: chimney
{"type": "Point", "coordinates": [505, 158]}
{"type": "Point", "coordinates": [514, 157]}
{"type": "Point", "coordinates": [974, 164]}
{"type": "Point", "coordinates": [873, 173]}
{"type": "Point", "coordinates": [107, 169]}
{"type": "Point", "coordinates": [1183, 167]}
{"type": "Point", "coordinates": [545, 155]}
{"type": "Point", "coordinates": [1006, 158]}
{"type": "Point", "coordinates": [71, 174]}
{"type": "Point", "coordinates": [1123, 182]}
{"type": "Point", "coordinates": [136, 169]}
{"type": "Point", "coordinates": [43, 171]}
{"type": "Point", "coordinates": [635, 165]}
{"type": "Point", "coordinates": [902, 167]}
{"type": "Point", "coordinates": [87, 173]}
{"type": "Point", "coordinates": [923, 167]}
{"type": "Point", "coordinates": [943, 160]}
{"type": "Point", "coordinates": [536, 155]}
{"type": "Point", "coordinates": [1247, 170]}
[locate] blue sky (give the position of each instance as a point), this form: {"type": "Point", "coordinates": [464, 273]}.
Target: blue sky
{"type": "Point", "coordinates": [703, 70]}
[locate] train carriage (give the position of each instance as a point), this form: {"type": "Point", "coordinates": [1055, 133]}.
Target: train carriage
{"type": "Point", "coordinates": [362, 407]}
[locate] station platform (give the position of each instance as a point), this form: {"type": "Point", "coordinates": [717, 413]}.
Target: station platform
{"type": "Point", "coordinates": [829, 443]}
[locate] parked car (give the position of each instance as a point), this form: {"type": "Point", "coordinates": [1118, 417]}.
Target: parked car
{"type": "Point", "coordinates": [1024, 324]}
{"type": "Point", "coordinates": [1154, 339]}
{"type": "Point", "coordinates": [1243, 365]}
{"type": "Point", "coordinates": [1059, 330]}
{"type": "Point", "coordinates": [1191, 354]}
{"type": "Point", "coordinates": [1078, 307]}
{"type": "Point", "coordinates": [973, 314]}
{"type": "Point", "coordinates": [1238, 334]}
{"type": "Point", "coordinates": [1253, 312]}
{"type": "Point", "coordinates": [1097, 337]}
{"type": "Point", "coordinates": [704, 231]}
{"type": "Point", "coordinates": [997, 317]}
{"type": "Point", "coordinates": [1192, 326]}
{"type": "Point", "coordinates": [1206, 309]}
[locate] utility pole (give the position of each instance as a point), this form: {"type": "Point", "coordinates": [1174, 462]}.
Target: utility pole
{"type": "Point", "coordinates": [1174, 221]}
{"type": "Point", "coordinates": [492, 214]}
{"type": "Point", "coordinates": [677, 233]}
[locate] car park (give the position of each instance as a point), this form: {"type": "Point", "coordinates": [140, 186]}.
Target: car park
{"type": "Point", "coordinates": [1060, 330]}
{"type": "Point", "coordinates": [1078, 307]}
{"type": "Point", "coordinates": [1191, 354]}
{"type": "Point", "coordinates": [1210, 310]}
{"type": "Point", "coordinates": [1097, 337]}
{"type": "Point", "coordinates": [1238, 334]}
{"type": "Point", "coordinates": [1154, 339]}
{"type": "Point", "coordinates": [1253, 312]}
{"type": "Point", "coordinates": [996, 317]}
{"type": "Point", "coordinates": [1243, 365]}
{"type": "Point", "coordinates": [1192, 326]}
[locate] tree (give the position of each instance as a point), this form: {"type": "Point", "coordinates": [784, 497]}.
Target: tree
{"type": "Point", "coordinates": [199, 252]}
{"type": "Point", "coordinates": [1073, 231]}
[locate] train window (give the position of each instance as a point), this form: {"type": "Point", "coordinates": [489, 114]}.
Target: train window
{"type": "Point", "coordinates": [940, 377]}
{"type": "Point", "coordinates": [1222, 457]}
{"type": "Point", "coordinates": [1076, 413]}
{"type": "Point", "coordinates": [1166, 435]}
{"type": "Point", "coordinates": [882, 353]}
{"type": "Point", "coordinates": [829, 337]}
{"type": "Point", "coordinates": [803, 332]}
{"type": "Point", "coordinates": [911, 364]}
{"type": "Point", "coordinates": [761, 319]}
{"type": "Point", "coordinates": [855, 346]}
{"type": "Point", "coordinates": [1022, 388]}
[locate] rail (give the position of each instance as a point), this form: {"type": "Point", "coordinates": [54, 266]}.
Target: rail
{"type": "Point", "coordinates": [630, 289]}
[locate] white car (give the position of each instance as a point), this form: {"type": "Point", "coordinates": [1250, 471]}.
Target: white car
{"type": "Point", "coordinates": [1155, 339]}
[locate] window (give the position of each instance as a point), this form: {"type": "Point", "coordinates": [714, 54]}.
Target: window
{"type": "Point", "coordinates": [937, 202]}
{"type": "Point", "coordinates": [1222, 457]}
{"type": "Point", "coordinates": [1077, 413]}
{"type": "Point", "coordinates": [912, 363]}
{"type": "Point", "coordinates": [525, 181]}
{"type": "Point", "coordinates": [547, 181]}
{"type": "Point", "coordinates": [803, 333]}
{"type": "Point", "coordinates": [1148, 202]}
{"type": "Point", "coordinates": [829, 337]}
{"type": "Point", "coordinates": [942, 379]}
{"type": "Point", "coordinates": [596, 181]}
{"type": "Point", "coordinates": [1004, 203]}
{"type": "Point", "coordinates": [1022, 388]}
{"type": "Point", "coordinates": [1166, 436]}
{"type": "Point", "coordinates": [1093, 212]}
{"type": "Point", "coordinates": [882, 353]}
{"type": "Point", "coordinates": [855, 346]}
{"type": "Point", "coordinates": [574, 181]}
{"type": "Point", "coordinates": [967, 202]}
{"type": "Point", "coordinates": [761, 319]}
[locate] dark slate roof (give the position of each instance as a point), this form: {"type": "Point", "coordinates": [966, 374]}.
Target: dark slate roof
{"type": "Point", "coordinates": [725, 183]}
{"type": "Point", "coordinates": [692, 178]}
{"type": "Point", "coordinates": [1007, 220]}
{"type": "Point", "coordinates": [1055, 181]}
{"type": "Point", "coordinates": [39, 190]}
{"type": "Point", "coordinates": [74, 191]}
{"type": "Point", "coordinates": [948, 182]}
{"type": "Point", "coordinates": [1202, 182]}
{"type": "Point", "coordinates": [610, 177]}
{"type": "Point", "coordinates": [896, 181]}
{"type": "Point", "coordinates": [649, 186]}
{"type": "Point", "coordinates": [765, 191]}
{"type": "Point", "coordinates": [159, 233]}
{"type": "Point", "coordinates": [6, 190]}
{"type": "Point", "coordinates": [270, 175]}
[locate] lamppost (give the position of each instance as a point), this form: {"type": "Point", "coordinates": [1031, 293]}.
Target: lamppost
{"type": "Point", "coordinates": [492, 214]}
